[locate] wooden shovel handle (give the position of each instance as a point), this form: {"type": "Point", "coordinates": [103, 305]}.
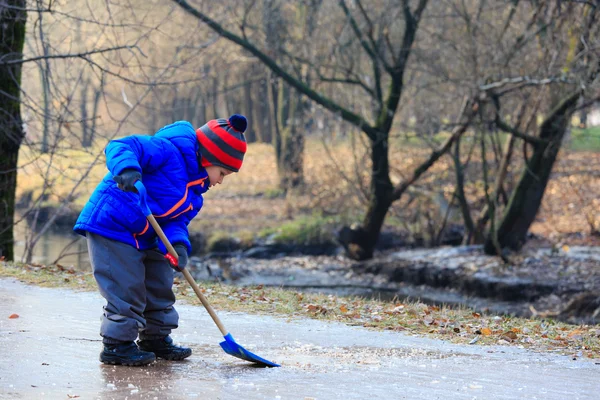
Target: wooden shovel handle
{"type": "Point", "coordinates": [188, 276]}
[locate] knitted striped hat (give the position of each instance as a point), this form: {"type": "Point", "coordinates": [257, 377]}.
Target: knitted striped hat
{"type": "Point", "coordinates": [222, 142]}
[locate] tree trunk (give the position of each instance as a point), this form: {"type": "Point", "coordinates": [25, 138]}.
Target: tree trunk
{"type": "Point", "coordinates": [88, 124]}
{"type": "Point", "coordinates": [262, 113]}
{"type": "Point", "coordinates": [248, 108]}
{"type": "Point", "coordinates": [360, 242]}
{"type": "Point", "coordinates": [291, 171]}
{"type": "Point", "coordinates": [84, 115]}
{"type": "Point", "coordinates": [45, 81]}
{"type": "Point", "coordinates": [215, 98]}
{"type": "Point", "coordinates": [280, 96]}
{"type": "Point", "coordinates": [381, 187]}
{"type": "Point", "coordinates": [497, 191]}
{"type": "Point", "coordinates": [200, 112]}
{"type": "Point", "coordinates": [12, 37]}
{"type": "Point", "coordinates": [460, 193]}
{"type": "Point", "coordinates": [583, 114]}
{"type": "Point", "coordinates": [527, 196]}
{"type": "Point", "coordinates": [289, 140]}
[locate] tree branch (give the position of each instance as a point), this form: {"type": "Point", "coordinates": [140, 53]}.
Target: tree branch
{"type": "Point", "coordinates": [515, 132]}
{"type": "Point", "coordinates": [74, 55]}
{"type": "Point", "coordinates": [523, 81]}
{"type": "Point", "coordinates": [371, 51]}
{"type": "Point", "coordinates": [329, 104]}
{"type": "Point", "coordinates": [468, 112]}
{"type": "Point", "coordinates": [412, 21]}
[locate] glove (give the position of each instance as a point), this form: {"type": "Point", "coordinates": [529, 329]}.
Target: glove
{"type": "Point", "coordinates": [127, 178]}
{"type": "Point", "coordinates": [183, 258]}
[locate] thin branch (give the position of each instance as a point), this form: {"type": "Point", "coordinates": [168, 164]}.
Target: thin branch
{"type": "Point", "coordinates": [73, 55]}
{"type": "Point", "coordinates": [523, 81]}
{"type": "Point", "coordinates": [468, 112]}
{"type": "Point", "coordinates": [515, 132]}
{"type": "Point", "coordinates": [459, 191]}
{"type": "Point", "coordinates": [371, 51]}
{"type": "Point", "coordinates": [347, 81]}
{"type": "Point", "coordinates": [491, 204]}
{"type": "Point", "coordinates": [329, 104]}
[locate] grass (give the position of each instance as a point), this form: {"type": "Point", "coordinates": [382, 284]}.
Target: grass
{"type": "Point", "coordinates": [456, 325]}
{"type": "Point", "coordinates": [305, 230]}
{"type": "Point", "coordinates": [585, 139]}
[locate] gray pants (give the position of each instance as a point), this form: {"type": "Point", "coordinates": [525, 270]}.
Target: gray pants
{"type": "Point", "coordinates": [137, 286]}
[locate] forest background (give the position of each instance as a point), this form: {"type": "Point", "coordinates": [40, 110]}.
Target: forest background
{"type": "Point", "coordinates": [441, 122]}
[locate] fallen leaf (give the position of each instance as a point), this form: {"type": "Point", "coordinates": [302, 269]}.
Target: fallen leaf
{"type": "Point", "coordinates": [509, 336]}
{"type": "Point", "coordinates": [396, 310]}
{"type": "Point", "coordinates": [343, 309]}
{"type": "Point", "coordinates": [486, 331]}
{"type": "Point", "coordinates": [576, 332]}
{"type": "Point", "coordinates": [13, 316]}
{"type": "Point", "coordinates": [316, 309]}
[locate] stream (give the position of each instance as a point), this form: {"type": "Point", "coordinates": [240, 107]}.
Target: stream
{"type": "Point", "coordinates": [60, 246]}
{"type": "Point", "coordinates": [325, 274]}
{"type": "Point", "coordinates": [453, 276]}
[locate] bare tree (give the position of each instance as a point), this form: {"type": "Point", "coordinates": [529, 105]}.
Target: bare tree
{"type": "Point", "coordinates": [385, 47]}
{"type": "Point", "coordinates": [531, 63]}
{"type": "Point", "coordinates": [13, 18]}
{"type": "Point", "coordinates": [575, 33]}
{"type": "Point", "coordinates": [90, 78]}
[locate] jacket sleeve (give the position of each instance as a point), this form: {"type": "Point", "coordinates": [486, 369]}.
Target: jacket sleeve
{"type": "Point", "coordinates": [142, 153]}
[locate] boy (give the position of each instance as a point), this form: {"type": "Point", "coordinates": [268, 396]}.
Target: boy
{"type": "Point", "coordinates": [176, 165]}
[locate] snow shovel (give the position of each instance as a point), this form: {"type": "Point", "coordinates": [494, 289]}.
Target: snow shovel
{"type": "Point", "coordinates": [229, 344]}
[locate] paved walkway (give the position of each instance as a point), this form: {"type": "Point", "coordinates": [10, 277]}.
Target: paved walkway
{"type": "Point", "coordinates": [51, 351]}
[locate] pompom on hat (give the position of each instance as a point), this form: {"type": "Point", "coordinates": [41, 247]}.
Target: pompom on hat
{"type": "Point", "coordinates": [222, 142]}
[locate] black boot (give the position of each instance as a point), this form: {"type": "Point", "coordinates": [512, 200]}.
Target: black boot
{"type": "Point", "coordinates": [164, 348]}
{"type": "Point", "coordinates": [126, 353]}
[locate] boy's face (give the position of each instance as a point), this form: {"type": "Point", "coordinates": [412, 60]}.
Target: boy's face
{"type": "Point", "coordinates": [216, 174]}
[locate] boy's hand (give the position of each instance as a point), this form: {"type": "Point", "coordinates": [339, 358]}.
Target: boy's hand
{"type": "Point", "coordinates": [127, 179]}
{"type": "Point", "coordinates": [183, 258]}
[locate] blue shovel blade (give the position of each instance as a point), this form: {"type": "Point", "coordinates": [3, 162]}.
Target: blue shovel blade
{"type": "Point", "coordinates": [234, 349]}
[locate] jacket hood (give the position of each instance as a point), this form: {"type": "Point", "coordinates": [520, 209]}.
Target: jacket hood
{"type": "Point", "coordinates": [183, 136]}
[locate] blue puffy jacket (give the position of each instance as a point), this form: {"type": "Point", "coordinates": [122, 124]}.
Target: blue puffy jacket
{"type": "Point", "coordinates": [171, 171]}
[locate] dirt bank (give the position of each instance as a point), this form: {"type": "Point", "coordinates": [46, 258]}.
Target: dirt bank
{"type": "Point", "coordinates": [562, 284]}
